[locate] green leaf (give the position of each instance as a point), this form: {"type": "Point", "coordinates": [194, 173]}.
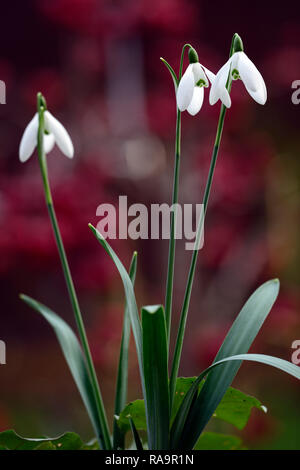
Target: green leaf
{"type": "Point", "coordinates": [130, 299]}
{"type": "Point", "coordinates": [183, 412]}
{"type": "Point", "coordinates": [155, 362]}
{"type": "Point", "coordinates": [122, 376]}
{"type": "Point", "coordinates": [173, 74]}
{"type": "Point", "coordinates": [136, 411]}
{"type": "Point", "coordinates": [235, 407]}
{"type": "Point", "coordinates": [183, 385]}
{"type": "Point", "coordinates": [214, 441]}
{"type": "Point", "coordinates": [74, 357]}
{"type": "Point", "coordinates": [10, 440]}
{"type": "Point", "coordinates": [238, 341]}
{"type": "Point", "coordinates": [136, 437]}
{"type": "Point", "coordinates": [276, 362]}
{"type": "Point", "coordinates": [93, 444]}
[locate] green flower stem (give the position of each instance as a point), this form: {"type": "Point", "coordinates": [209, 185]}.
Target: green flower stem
{"type": "Point", "coordinates": [181, 59]}
{"type": "Point", "coordinates": [172, 244]}
{"type": "Point", "coordinates": [189, 285]}
{"type": "Point", "coordinates": [104, 438]}
{"type": "Point", "coordinates": [191, 275]}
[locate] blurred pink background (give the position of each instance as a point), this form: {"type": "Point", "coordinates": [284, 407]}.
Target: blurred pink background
{"type": "Point", "coordinates": [97, 63]}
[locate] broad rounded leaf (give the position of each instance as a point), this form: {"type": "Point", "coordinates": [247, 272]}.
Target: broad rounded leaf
{"type": "Point", "coordinates": [235, 407]}
{"type": "Point", "coordinates": [215, 441]}
{"type": "Point", "coordinates": [10, 440]}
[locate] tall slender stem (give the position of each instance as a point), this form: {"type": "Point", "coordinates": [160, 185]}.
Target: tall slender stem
{"type": "Point", "coordinates": [172, 244]}
{"type": "Point", "coordinates": [104, 436]}
{"type": "Point", "coordinates": [189, 285]}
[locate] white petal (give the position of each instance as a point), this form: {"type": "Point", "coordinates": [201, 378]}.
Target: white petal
{"type": "Point", "coordinates": [29, 139]}
{"type": "Point", "coordinates": [225, 96]}
{"type": "Point", "coordinates": [235, 60]}
{"type": "Point", "coordinates": [197, 101]}
{"type": "Point", "coordinates": [223, 92]}
{"type": "Point", "coordinates": [49, 142]}
{"type": "Point", "coordinates": [214, 95]}
{"type": "Point", "coordinates": [248, 72]}
{"type": "Point", "coordinates": [185, 89]}
{"type": "Point", "coordinates": [252, 79]}
{"type": "Point", "coordinates": [260, 95]}
{"type": "Point", "coordinates": [218, 88]}
{"type": "Point", "coordinates": [61, 136]}
{"type": "Point", "coordinates": [199, 74]}
{"type": "Point", "coordinates": [211, 76]}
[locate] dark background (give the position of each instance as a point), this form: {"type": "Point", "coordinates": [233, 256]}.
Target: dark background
{"type": "Point", "coordinates": [97, 63]}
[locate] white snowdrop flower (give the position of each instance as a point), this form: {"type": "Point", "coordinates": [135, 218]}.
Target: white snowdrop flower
{"type": "Point", "coordinates": [240, 67]}
{"type": "Point", "coordinates": [56, 133]}
{"type": "Point", "coordinates": [190, 91]}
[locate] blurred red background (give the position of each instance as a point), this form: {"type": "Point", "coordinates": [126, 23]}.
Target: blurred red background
{"type": "Point", "coordinates": [97, 63]}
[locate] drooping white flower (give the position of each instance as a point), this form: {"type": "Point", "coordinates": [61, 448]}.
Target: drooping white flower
{"type": "Point", "coordinates": [240, 67]}
{"type": "Point", "coordinates": [190, 91]}
{"type": "Point", "coordinates": [56, 133]}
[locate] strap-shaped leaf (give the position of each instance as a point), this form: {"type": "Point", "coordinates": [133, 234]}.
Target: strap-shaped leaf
{"type": "Point", "coordinates": [130, 298]}
{"type": "Point", "coordinates": [184, 441]}
{"type": "Point", "coordinates": [183, 413]}
{"type": "Point", "coordinates": [74, 357]}
{"type": "Point", "coordinates": [136, 437]}
{"type": "Point", "coordinates": [238, 341]}
{"type": "Point", "coordinates": [155, 357]}
{"type": "Point", "coordinates": [122, 376]}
